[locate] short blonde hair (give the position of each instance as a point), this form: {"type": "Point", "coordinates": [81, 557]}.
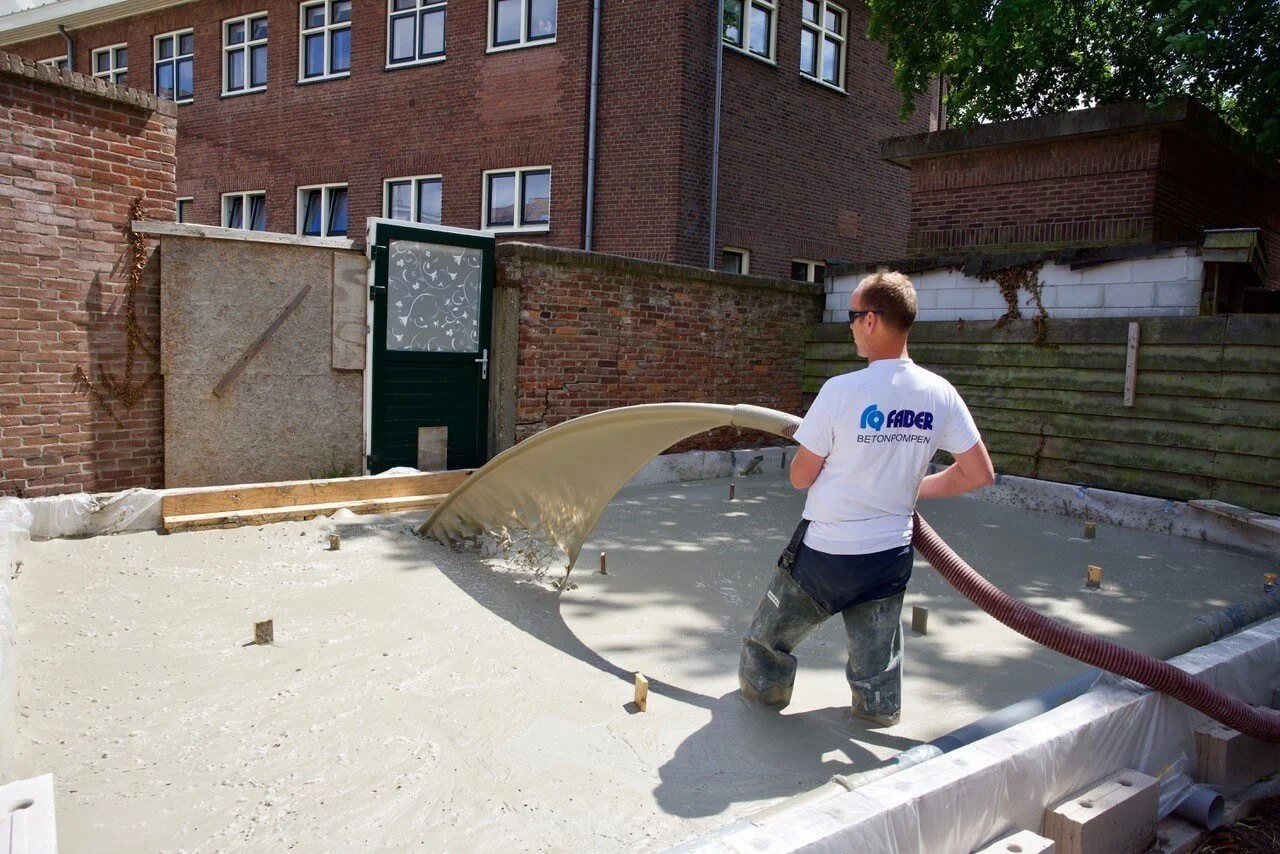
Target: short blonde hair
{"type": "Point", "coordinates": [892, 296]}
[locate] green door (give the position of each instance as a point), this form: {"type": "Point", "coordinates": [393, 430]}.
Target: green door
{"type": "Point", "coordinates": [433, 298]}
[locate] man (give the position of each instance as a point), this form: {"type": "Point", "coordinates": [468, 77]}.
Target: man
{"type": "Point", "coordinates": [865, 446]}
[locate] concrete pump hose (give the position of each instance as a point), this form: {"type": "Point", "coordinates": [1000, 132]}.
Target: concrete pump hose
{"type": "Point", "coordinates": [1199, 695]}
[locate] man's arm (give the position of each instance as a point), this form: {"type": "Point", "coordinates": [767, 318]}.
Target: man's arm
{"type": "Point", "coordinates": [805, 466]}
{"type": "Point", "coordinates": [971, 470]}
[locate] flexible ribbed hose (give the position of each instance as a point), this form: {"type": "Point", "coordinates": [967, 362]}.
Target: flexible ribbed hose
{"type": "Point", "coordinates": [1199, 695]}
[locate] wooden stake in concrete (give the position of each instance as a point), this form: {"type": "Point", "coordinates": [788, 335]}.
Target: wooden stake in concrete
{"type": "Point", "coordinates": [919, 620]}
{"type": "Point", "coordinates": [603, 568]}
{"type": "Point", "coordinates": [642, 692]}
{"type": "Point", "coordinates": [1093, 576]}
{"type": "Point", "coordinates": [1090, 530]}
{"type": "Point", "coordinates": [1268, 581]}
{"type": "Point", "coordinates": [263, 632]}
{"type": "Point", "coordinates": [731, 489]}
{"type": "Point", "coordinates": [335, 542]}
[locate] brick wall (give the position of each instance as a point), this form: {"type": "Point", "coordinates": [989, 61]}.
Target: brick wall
{"type": "Point", "coordinates": [74, 155]}
{"type": "Point", "coordinates": [598, 331]}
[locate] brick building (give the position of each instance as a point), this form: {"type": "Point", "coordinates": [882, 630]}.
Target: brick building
{"type": "Point", "coordinates": [306, 116]}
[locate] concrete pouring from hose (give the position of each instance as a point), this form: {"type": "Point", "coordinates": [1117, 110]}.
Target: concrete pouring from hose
{"type": "Point", "coordinates": [557, 484]}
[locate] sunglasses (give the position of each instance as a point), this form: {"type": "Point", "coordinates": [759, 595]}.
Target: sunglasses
{"type": "Point", "coordinates": [854, 315]}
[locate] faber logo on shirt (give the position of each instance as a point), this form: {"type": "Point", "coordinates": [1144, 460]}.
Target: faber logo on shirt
{"type": "Point", "coordinates": [876, 420]}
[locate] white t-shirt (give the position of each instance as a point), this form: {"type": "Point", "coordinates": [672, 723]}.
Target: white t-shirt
{"type": "Point", "coordinates": [877, 428]}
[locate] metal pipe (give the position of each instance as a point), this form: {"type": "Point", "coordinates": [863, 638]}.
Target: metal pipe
{"type": "Point", "coordinates": [1203, 806]}
{"type": "Point", "coordinates": [715, 136]}
{"type": "Point", "coordinates": [589, 225]}
{"type": "Point", "coordinates": [71, 48]}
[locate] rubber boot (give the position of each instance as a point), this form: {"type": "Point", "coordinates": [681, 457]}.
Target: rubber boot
{"type": "Point", "coordinates": [874, 631]}
{"type": "Point", "coordinates": [785, 617]}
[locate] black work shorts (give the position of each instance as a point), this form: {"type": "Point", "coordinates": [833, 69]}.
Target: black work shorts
{"type": "Point", "coordinates": [837, 582]}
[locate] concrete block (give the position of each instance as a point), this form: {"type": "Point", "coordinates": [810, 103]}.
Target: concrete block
{"type": "Point", "coordinates": [1228, 760]}
{"type": "Point", "coordinates": [1118, 272]}
{"type": "Point", "coordinates": [1055, 275]}
{"type": "Point", "coordinates": [938, 314]}
{"type": "Point", "coordinates": [990, 297]}
{"type": "Point", "coordinates": [1139, 295]}
{"type": "Point", "coordinates": [926, 299]}
{"type": "Point", "coordinates": [1169, 269]}
{"type": "Point", "coordinates": [1022, 842]}
{"type": "Point", "coordinates": [433, 448]}
{"type": "Point", "coordinates": [1117, 815]}
{"type": "Point", "coordinates": [934, 280]}
{"type": "Point", "coordinates": [1183, 293]}
{"type": "Point", "coordinates": [1079, 296]}
{"type": "Point", "coordinates": [955, 298]}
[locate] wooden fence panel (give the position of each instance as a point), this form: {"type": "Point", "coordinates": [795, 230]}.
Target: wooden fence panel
{"type": "Point", "coordinates": [1205, 422]}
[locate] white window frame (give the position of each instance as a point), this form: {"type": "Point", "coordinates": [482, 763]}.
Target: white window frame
{"type": "Point", "coordinates": [244, 197]}
{"type": "Point", "coordinates": [525, 41]}
{"type": "Point", "coordinates": [246, 48]}
{"type": "Point", "coordinates": [810, 273]}
{"type": "Point", "coordinates": [156, 62]}
{"type": "Point", "coordinates": [112, 71]}
{"type": "Point", "coordinates": [58, 62]}
{"type": "Point", "coordinates": [746, 259]}
{"type": "Point", "coordinates": [820, 33]}
{"type": "Point", "coordinates": [416, 181]}
{"type": "Point", "coordinates": [744, 48]}
{"type": "Point", "coordinates": [328, 28]}
{"type": "Point", "coordinates": [416, 12]}
{"type": "Point", "coordinates": [177, 207]}
{"type": "Point", "coordinates": [518, 213]}
{"type": "Point", "coordinates": [324, 207]}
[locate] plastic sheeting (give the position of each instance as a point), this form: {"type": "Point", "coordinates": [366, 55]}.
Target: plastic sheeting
{"type": "Point", "coordinates": [976, 794]}
{"type": "Point", "coordinates": [15, 523]}
{"type": "Point", "coordinates": [82, 515]}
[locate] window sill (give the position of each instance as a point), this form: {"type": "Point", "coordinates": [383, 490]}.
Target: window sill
{"type": "Point", "coordinates": [757, 57]}
{"type": "Point", "coordinates": [325, 79]}
{"type": "Point", "coordinates": [520, 46]}
{"type": "Point", "coordinates": [824, 84]}
{"type": "Point", "coordinates": [417, 63]}
{"type": "Point", "coordinates": [255, 91]}
{"type": "Point", "coordinates": [524, 229]}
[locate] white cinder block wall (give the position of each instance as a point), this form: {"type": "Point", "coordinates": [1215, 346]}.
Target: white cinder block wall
{"type": "Point", "coordinates": [1163, 284]}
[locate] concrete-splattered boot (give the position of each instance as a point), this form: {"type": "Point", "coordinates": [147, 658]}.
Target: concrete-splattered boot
{"type": "Point", "coordinates": [785, 617]}
{"type": "Point", "coordinates": [874, 630]}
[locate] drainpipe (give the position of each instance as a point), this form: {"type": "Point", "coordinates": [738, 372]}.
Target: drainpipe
{"type": "Point", "coordinates": [715, 135]}
{"type": "Point", "coordinates": [589, 226]}
{"type": "Point", "coordinates": [71, 48]}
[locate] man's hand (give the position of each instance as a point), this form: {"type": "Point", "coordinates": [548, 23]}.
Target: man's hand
{"type": "Point", "coordinates": [972, 470]}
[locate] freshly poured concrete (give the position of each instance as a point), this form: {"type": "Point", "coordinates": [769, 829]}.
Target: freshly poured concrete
{"type": "Point", "coordinates": [421, 697]}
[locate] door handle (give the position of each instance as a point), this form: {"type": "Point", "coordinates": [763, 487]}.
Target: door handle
{"type": "Point", "coordinates": [484, 364]}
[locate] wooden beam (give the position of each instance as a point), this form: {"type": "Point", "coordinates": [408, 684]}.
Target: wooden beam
{"type": "Point", "coordinates": [230, 376]}
{"type": "Point", "coordinates": [296, 493]}
{"type": "Point", "coordinates": [268, 515]}
{"type": "Point", "coordinates": [1131, 365]}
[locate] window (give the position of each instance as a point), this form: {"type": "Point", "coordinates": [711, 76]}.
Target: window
{"type": "Point", "coordinates": [324, 47]}
{"type": "Point", "coordinates": [749, 26]}
{"type": "Point", "coordinates": [414, 199]}
{"type": "Point", "coordinates": [519, 23]}
{"type": "Point", "coordinates": [822, 41]}
{"type": "Point", "coordinates": [112, 64]}
{"type": "Point", "coordinates": [244, 55]}
{"type": "Point", "coordinates": [735, 261]}
{"type": "Point", "coordinates": [245, 210]}
{"type": "Point", "coordinates": [322, 210]}
{"type": "Point", "coordinates": [518, 199]}
{"type": "Point", "coordinates": [415, 31]}
{"type": "Point", "coordinates": [58, 62]}
{"type": "Point", "coordinates": [808, 271]}
{"type": "Point", "coordinates": [185, 204]}
{"type": "Point", "coordinates": [175, 66]}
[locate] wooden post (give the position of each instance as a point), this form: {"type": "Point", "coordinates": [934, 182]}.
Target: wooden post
{"type": "Point", "coordinates": [603, 569]}
{"type": "Point", "coordinates": [642, 692]}
{"type": "Point", "coordinates": [263, 632]}
{"type": "Point", "coordinates": [731, 488]}
{"type": "Point", "coordinates": [335, 542]}
{"type": "Point", "coordinates": [1268, 580]}
{"type": "Point", "coordinates": [919, 620]}
{"type": "Point", "coordinates": [1093, 576]}
{"type": "Point", "coordinates": [1090, 530]}
{"type": "Point", "coordinates": [1131, 365]}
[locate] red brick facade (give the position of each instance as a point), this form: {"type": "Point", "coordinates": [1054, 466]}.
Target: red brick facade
{"type": "Point", "coordinates": [73, 158]}
{"type": "Point", "coordinates": [1113, 175]}
{"type": "Point", "coordinates": [599, 332]}
{"type": "Point", "coordinates": [800, 175]}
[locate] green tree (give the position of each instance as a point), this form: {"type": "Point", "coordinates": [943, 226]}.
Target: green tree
{"type": "Point", "coordinates": [1014, 58]}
